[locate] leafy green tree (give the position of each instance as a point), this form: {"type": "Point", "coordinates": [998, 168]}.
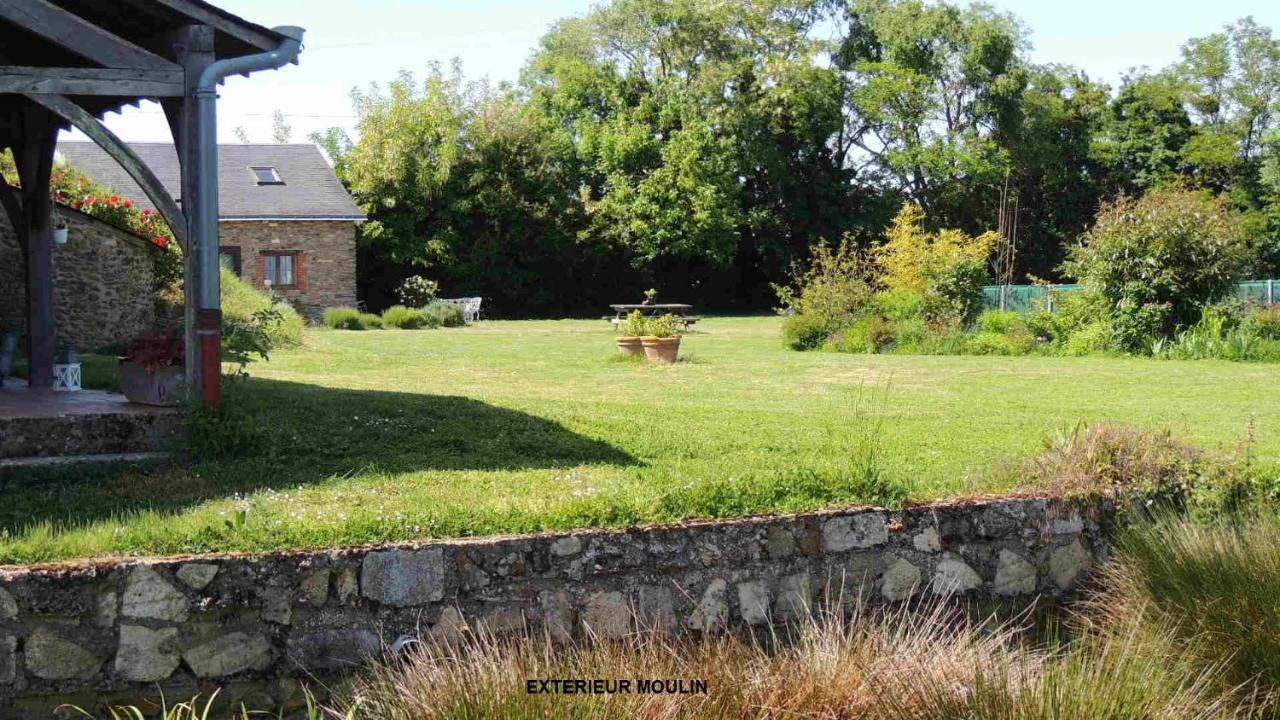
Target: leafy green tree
{"type": "Point", "coordinates": [932, 89]}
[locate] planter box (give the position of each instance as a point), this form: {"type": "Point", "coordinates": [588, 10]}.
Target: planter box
{"type": "Point", "coordinates": [165, 387]}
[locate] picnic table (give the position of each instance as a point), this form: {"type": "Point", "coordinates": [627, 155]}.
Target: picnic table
{"type": "Point", "coordinates": [680, 310]}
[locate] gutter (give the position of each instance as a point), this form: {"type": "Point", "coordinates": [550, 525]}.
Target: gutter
{"type": "Point", "coordinates": [204, 214]}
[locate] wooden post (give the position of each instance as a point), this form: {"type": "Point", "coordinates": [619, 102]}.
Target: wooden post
{"type": "Point", "coordinates": [35, 162]}
{"type": "Point", "coordinates": [193, 49]}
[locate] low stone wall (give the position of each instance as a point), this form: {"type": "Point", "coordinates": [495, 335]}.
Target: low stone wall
{"type": "Point", "coordinates": [257, 625]}
{"type": "Point", "coordinates": [103, 283]}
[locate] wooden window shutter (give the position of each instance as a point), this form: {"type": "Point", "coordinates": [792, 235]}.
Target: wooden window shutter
{"type": "Point", "coordinates": [300, 271]}
{"type": "Point", "coordinates": [262, 270]}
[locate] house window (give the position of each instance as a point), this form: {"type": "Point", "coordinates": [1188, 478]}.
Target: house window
{"type": "Point", "coordinates": [278, 269]}
{"type": "Point", "coordinates": [267, 175]}
{"type": "Point", "coordinates": [229, 256]}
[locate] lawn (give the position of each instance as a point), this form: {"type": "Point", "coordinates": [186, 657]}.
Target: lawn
{"type": "Point", "coordinates": [532, 425]}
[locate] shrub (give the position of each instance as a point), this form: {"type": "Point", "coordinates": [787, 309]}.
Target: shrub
{"type": "Point", "coordinates": [825, 297]}
{"type": "Point", "coordinates": [985, 342]}
{"type": "Point", "coordinates": [442, 314]}
{"type": "Point", "coordinates": [1264, 321]}
{"type": "Point", "coordinates": [1158, 259]}
{"type": "Point", "coordinates": [416, 291]}
{"type": "Point", "coordinates": [243, 303]}
{"type": "Point", "coordinates": [947, 268]}
{"type": "Point", "coordinates": [371, 321]}
{"type": "Point", "coordinates": [1116, 460]}
{"type": "Point", "coordinates": [399, 316]}
{"type": "Point", "coordinates": [343, 318]}
{"type": "Point", "coordinates": [870, 334]}
{"type": "Point", "coordinates": [1091, 338]}
{"type": "Point", "coordinates": [806, 331]}
{"type": "Point", "coordinates": [899, 305]}
{"type": "Point", "coordinates": [1002, 322]}
{"type": "Point", "coordinates": [912, 336]}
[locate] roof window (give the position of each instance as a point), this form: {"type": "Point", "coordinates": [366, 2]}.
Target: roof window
{"type": "Point", "coordinates": [267, 175]}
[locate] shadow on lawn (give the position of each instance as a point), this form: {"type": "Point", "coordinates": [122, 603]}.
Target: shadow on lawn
{"type": "Point", "coordinates": [302, 434]}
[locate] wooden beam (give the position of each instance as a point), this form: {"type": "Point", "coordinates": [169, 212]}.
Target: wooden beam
{"type": "Point", "coordinates": [117, 149]}
{"type": "Point", "coordinates": [79, 36]}
{"type": "Point", "coordinates": [193, 47]}
{"type": "Point", "coordinates": [35, 162]}
{"type": "Point", "coordinates": [241, 30]}
{"type": "Point", "coordinates": [117, 82]}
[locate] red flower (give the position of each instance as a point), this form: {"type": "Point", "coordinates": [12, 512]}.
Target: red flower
{"type": "Point", "coordinates": [128, 203]}
{"type": "Point", "coordinates": [88, 199]}
{"type": "Point", "coordinates": [146, 212]}
{"type": "Point", "coordinates": [75, 204]}
{"type": "Point", "coordinates": [160, 240]}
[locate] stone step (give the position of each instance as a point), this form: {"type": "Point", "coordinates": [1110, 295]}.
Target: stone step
{"type": "Point", "coordinates": [97, 459]}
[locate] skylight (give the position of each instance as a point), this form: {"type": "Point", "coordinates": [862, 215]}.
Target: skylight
{"type": "Point", "coordinates": [267, 175]}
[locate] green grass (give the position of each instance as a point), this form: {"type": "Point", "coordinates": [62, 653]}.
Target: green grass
{"type": "Point", "coordinates": [523, 426]}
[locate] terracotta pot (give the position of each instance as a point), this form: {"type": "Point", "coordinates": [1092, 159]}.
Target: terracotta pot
{"type": "Point", "coordinates": [165, 387]}
{"type": "Point", "coordinates": [629, 345]}
{"type": "Point", "coordinates": [658, 349]}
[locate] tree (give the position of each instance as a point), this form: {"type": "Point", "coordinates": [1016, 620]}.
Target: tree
{"type": "Point", "coordinates": [281, 130]}
{"type": "Point", "coordinates": [241, 134]}
{"type": "Point", "coordinates": [933, 88]}
{"type": "Point", "coordinates": [704, 132]}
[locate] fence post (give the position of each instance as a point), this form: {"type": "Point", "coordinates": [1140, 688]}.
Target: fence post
{"type": "Point", "coordinates": [1048, 299]}
{"type": "Point", "coordinates": [1271, 292]}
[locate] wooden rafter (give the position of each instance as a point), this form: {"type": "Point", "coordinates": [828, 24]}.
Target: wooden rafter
{"type": "Point", "coordinates": [117, 149]}
{"type": "Point", "coordinates": [79, 36]}
{"type": "Point", "coordinates": [115, 82]}
{"type": "Point", "coordinates": [202, 15]}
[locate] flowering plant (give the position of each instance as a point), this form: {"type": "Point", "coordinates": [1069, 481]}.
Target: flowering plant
{"type": "Point", "coordinates": [155, 351]}
{"type": "Point", "coordinates": [74, 189]}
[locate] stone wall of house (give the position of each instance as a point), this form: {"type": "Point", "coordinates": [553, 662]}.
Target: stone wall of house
{"type": "Point", "coordinates": [102, 283]}
{"type": "Point", "coordinates": [325, 268]}
{"type": "Point", "coordinates": [258, 626]}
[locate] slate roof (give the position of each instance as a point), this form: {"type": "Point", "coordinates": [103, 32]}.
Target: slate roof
{"type": "Point", "coordinates": [311, 190]}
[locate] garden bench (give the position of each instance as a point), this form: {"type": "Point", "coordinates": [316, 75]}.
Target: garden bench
{"type": "Point", "coordinates": [470, 306]}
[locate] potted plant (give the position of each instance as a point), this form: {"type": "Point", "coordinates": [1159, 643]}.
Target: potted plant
{"type": "Point", "coordinates": [661, 341]}
{"type": "Point", "coordinates": [630, 331]}
{"type": "Point", "coordinates": [649, 296]}
{"type": "Point", "coordinates": [151, 372]}
{"type": "Point", "coordinates": [66, 370]}
{"type": "Point", "coordinates": [60, 232]}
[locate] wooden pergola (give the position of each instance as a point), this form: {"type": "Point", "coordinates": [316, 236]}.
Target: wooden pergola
{"type": "Point", "coordinates": [66, 63]}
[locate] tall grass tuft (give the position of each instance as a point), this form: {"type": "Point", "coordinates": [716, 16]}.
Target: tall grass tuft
{"type": "Point", "coordinates": [1215, 584]}
{"type": "Point", "coordinates": [906, 664]}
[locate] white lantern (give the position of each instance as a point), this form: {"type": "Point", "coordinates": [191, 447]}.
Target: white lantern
{"type": "Point", "coordinates": [60, 236]}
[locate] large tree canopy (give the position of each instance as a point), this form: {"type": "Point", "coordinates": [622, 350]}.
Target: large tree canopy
{"type": "Point", "coordinates": [703, 147]}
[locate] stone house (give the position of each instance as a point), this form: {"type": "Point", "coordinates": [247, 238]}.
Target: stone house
{"type": "Point", "coordinates": [285, 221]}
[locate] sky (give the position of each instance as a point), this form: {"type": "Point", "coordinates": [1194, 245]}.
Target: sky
{"type": "Point", "coordinates": [350, 43]}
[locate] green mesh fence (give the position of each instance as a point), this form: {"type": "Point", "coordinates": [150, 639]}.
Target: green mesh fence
{"type": "Point", "coordinates": [1025, 298]}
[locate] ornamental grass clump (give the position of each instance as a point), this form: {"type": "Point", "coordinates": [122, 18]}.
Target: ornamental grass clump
{"type": "Point", "coordinates": [924, 662]}
{"type": "Point", "coordinates": [1214, 584]}
{"type": "Point", "coordinates": [1116, 460]}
